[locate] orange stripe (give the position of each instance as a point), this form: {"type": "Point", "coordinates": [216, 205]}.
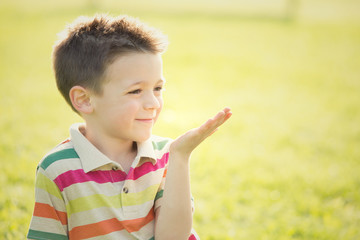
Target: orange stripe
{"type": "Point", "coordinates": [47, 211]}
{"type": "Point", "coordinates": [96, 229]}
{"type": "Point", "coordinates": [65, 141]}
{"type": "Point", "coordinates": [165, 172]}
{"type": "Point", "coordinates": [136, 224]}
{"type": "Point", "coordinates": [109, 226]}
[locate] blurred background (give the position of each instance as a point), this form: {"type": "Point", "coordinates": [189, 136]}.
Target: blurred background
{"type": "Point", "coordinates": [285, 166]}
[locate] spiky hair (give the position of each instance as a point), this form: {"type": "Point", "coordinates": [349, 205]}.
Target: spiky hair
{"type": "Point", "coordinates": [88, 45]}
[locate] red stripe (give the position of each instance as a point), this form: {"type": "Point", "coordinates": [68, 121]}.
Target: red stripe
{"type": "Point", "coordinates": [68, 178]}
{"type": "Point", "coordinates": [148, 167]}
{"type": "Point", "coordinates": [109, 226]}
{"type": "Point", "coordinates": [47, 211]}
{"type": "Point", "coordinates": [192, 237]}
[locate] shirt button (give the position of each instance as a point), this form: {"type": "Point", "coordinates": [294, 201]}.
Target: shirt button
{"type": "Point", "coordinates": [125, 190]}
{"type": "Point", "coordinates": [114, 168]}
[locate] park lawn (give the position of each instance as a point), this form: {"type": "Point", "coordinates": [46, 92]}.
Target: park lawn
{"type": "Point", "coordinates": [285, 166]}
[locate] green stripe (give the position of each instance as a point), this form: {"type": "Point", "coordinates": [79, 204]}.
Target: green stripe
{"type": "Point", "coordinates": [46, 184]}
{"type": "Point", "coordinates": [159, 194]}
{"type": "Point", "coordinates": [159, 145]}
{"type": "Point", "coordinates": [152, 238]}
{"type": "Point", "coordinates": [63, 154]}
{"type": "Point", "coordinates": [33, 234]}
{"type": "Point", "coordinates": [121, 200]}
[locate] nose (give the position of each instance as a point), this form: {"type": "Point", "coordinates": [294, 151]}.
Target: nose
{"type": "Point", "coordinates": [151, 101]}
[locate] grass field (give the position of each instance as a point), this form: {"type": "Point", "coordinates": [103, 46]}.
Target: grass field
{"type": "Point", "coordinates": [287, 164]}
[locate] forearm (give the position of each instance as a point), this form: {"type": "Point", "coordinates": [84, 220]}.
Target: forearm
{"type": "Point", "coordinates": [174, 219]}
{"type": "Point", "coordinates": [174, 216]}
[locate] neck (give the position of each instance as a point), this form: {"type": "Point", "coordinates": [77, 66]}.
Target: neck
{"type": "Point", "coordinates": [118, 150]}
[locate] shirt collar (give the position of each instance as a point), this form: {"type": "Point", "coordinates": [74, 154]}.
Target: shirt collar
{"type": "Point", "coordinates": [91, 158]}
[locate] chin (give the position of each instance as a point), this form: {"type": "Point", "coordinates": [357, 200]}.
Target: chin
{"type": "Point", "coordinates": [143, 137]}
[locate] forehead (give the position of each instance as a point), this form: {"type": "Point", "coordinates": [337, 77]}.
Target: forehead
{"type": "Point", "coordinates": [137, 67]}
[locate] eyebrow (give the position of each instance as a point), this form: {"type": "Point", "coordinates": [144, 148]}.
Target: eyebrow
{"type": "Point", "coordinates": [161, 80]}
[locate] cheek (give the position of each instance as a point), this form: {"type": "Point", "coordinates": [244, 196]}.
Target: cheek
{"type": "Point", "coordinates": [159, 109]}
{"type": "Point", "coordinates": [124, 111]}
{"type": "Point", "coordinates": [161, 104]}
{"type": "Point", "coordinates": [130, 109]}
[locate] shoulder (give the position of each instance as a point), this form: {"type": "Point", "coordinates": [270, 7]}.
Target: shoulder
{"type": "Point", "coordinates": [61, 158]}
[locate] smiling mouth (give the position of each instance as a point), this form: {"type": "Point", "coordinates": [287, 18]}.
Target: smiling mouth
{"type": "Point", "coordinates": [150, 120]}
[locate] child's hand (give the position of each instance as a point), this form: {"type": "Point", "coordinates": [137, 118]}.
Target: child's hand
{"type": "Point", "coordinates": [187, 142]}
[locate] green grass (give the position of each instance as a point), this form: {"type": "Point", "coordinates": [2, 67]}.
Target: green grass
{"type": "Point", "coordinates": [286, 166]}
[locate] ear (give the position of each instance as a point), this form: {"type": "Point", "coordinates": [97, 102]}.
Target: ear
{"type": "Point", "coordinates": [80, 99]}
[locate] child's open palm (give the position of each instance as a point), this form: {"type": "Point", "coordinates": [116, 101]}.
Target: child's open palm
{"type": "Point", "coordinates": [187, 142]}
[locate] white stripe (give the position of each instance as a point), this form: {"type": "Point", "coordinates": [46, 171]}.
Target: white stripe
{"type": "Point", "coordinates": [47, 225]}
{"type": "Point", "coordinates": [105, 213]}
{"type": "Point", "coordinates": [43, 196]}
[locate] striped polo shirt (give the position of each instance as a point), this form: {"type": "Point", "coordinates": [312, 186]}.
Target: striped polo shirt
{"type": "Point", "coordinates": [82, 194]}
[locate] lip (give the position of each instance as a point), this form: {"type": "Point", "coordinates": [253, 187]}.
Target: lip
{"type": "Point", "coordinates": [145, 120]}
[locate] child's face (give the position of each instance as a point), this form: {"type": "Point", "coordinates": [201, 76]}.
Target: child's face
{"type": "Point", "coordinates": [132, 97]}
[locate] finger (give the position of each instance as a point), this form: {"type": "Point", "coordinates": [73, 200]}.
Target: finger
{"type": "Point", "coordinates": [225, 117]}
{"type": "Point", "coordinates": [221, 117]}
{"type": "Point", "coordinates": [226, 110]}
{"type": "Point", "coordinates": [212, 124]}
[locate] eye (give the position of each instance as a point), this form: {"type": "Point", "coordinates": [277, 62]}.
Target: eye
{"type": "Point", "coordinates": [137, 91]}
{"type": "Point", "coordinates": [158, 89]}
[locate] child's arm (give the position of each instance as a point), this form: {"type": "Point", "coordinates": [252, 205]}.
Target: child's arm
{"type": "Point", "coordinates": [174, 216]}
{"type": "Point", "coordinates": [49, 220]}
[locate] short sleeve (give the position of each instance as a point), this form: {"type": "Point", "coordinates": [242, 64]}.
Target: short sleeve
{"type": "Point", "coordinates": [49, 219]}
{"type": "Point", "coordinates": [160, 192]}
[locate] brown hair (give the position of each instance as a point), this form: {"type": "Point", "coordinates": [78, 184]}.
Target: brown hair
{"type": "Point", "coordinates": [89, 45]}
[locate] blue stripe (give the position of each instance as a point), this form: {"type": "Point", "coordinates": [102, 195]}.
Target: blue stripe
{"type": "Point", "coordinates": [38, 235]}
{"type": "Point", "coordinates": [60, 155]}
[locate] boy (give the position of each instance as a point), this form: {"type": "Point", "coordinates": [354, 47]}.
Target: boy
{"type": "Point", "coordinates": [107, 181]}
